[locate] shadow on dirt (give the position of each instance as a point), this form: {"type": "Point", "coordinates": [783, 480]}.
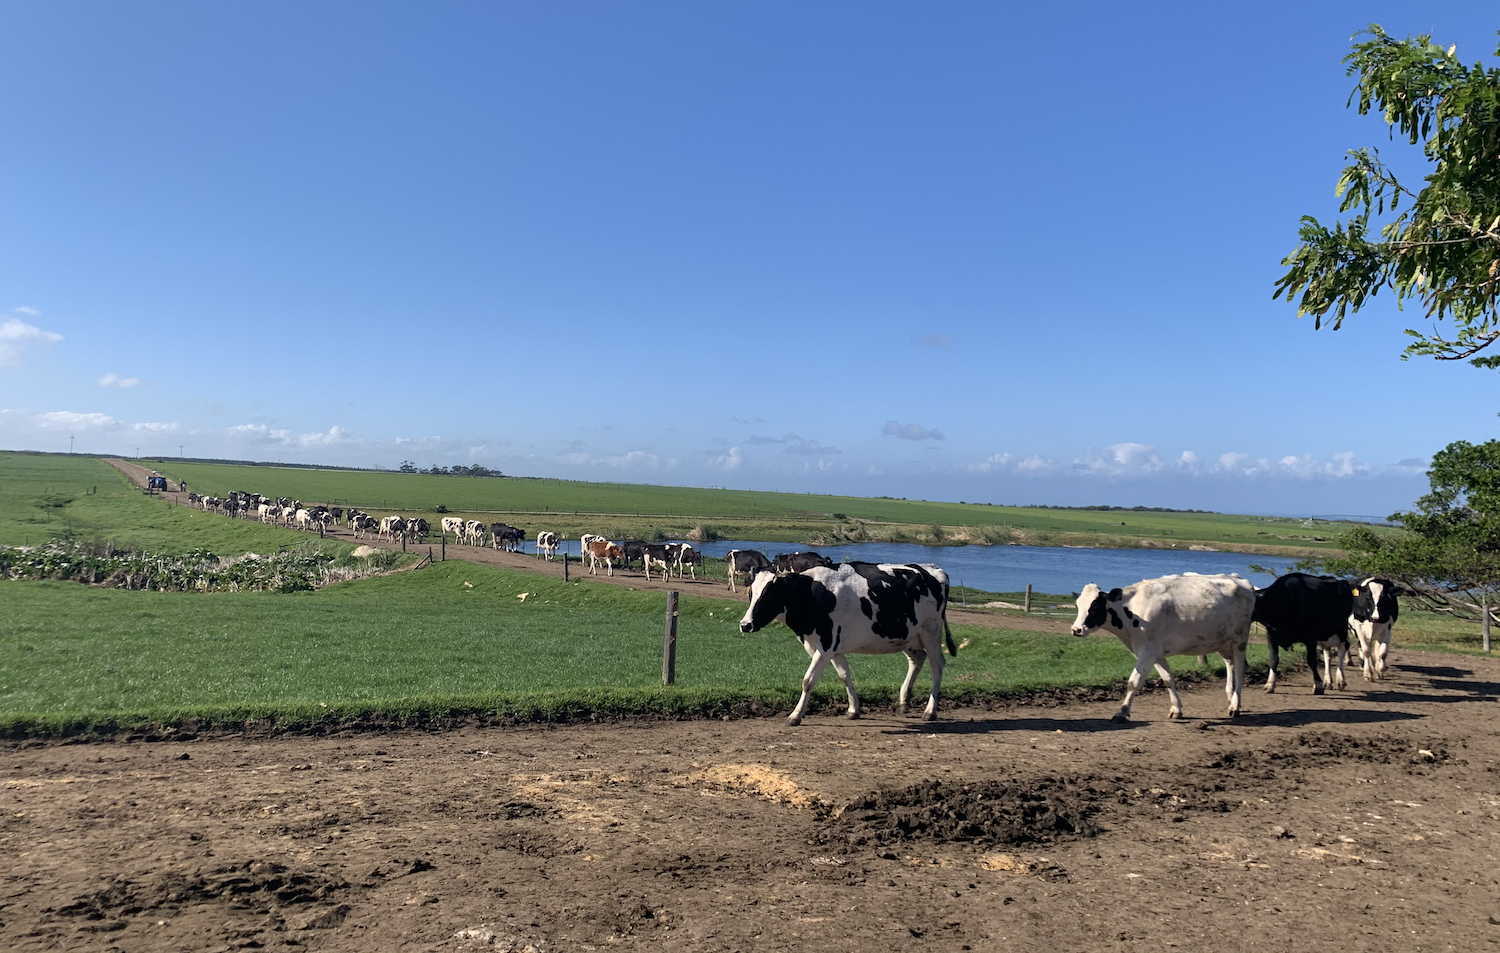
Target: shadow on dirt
{"type": "Point", "coordinates": [990, 725]}
{"type": "Point", "coordinates": [1463, 692]}
{"type": "Point", "coordinates": [1300, 716]}
{"type": "Point", "coordinates": [1435, 671]}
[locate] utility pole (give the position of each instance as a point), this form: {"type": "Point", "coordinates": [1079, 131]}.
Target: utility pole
{"type": "Point", "coordinates": [70, 444]}
{"type": "Point", "coordinates": [179, 451]}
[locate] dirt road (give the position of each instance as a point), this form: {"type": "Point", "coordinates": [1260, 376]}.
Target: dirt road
{"type": "Point", "coordinates": [1365, 820]}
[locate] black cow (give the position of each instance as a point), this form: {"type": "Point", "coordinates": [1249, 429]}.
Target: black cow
{"type": "Point", "coordinates": [798, 562]}
{"type": "Point", "coordinates": [1313, 610]}
{"type": "Point", "coordinates": [507, 537]}
{"type": "Point", "coordinates": [864, 608]}
{"type": "Point", "coordinates": [633, 550]}
{"type": "Point", "coordinates": [746, 561]}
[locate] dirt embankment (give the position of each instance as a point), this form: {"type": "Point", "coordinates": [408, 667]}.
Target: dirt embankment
{"type": "Point", "coordinates": [1364, 820]}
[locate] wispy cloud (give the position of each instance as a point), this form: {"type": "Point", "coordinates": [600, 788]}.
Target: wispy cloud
{"type": "Point", "coordinates": [912, 431]}
{"type": "Point", "coordinates": [16, 334]}
{"type": "Point", "coordinates": [29, 312]}
{"type": "Point", "coordinates": [1129, 461]}
{"type": "Point", "coordinates": [114, 380]}
{"type": "Point", "coordinates": [792, 443]}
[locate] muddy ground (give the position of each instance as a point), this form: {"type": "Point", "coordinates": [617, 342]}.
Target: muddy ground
{"type": "Point", "coordinates": [1365, 820]}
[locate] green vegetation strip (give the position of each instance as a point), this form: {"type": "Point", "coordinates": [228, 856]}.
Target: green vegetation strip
{"type": "Point", "coordinates": [449, 642]}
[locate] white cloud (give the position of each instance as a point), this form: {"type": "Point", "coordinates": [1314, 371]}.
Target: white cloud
{"type": "Point", "coordinates": [1126, 461]}
{"type": "Point", "coordinates": [912, 431]}
{"type": "Point", "coordinates": [15, 335]}
{"type": "Point", "coordinates": [794, 444]}
{"type": "Point", "coordinates": [728, 461]}
{"type": "Point", "coordinates": [64, 419]}
{"type": "Point", "coordinates": [30, 312]}
{"type": "Point", "coordinates": [114, 380]}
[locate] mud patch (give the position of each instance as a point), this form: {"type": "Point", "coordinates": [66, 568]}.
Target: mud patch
{"type": "Point", "coordinates": [988, 813]}
{"type": "Point", "coordinates": [755, 780]}
{"type": "Point", "coordinates": [1315, 749]}
{"type": "Point", "coordinates": [258, 886]}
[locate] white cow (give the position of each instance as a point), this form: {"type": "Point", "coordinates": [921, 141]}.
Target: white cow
{"type": "Point", "coordinates": [304, 519]}
{"type": "Point", "coordinates": [858, 608]}
{"type": "Point", "coordinates": [454, 525]}
{"type": "Point", "coordinates": [474, 532]}
{"type": "Point", "coordinates": [1174, 615]}
{"type": "Point", "coordinates": [1375, 611]}
{"type": "Point", "coordinates": [391, 527]}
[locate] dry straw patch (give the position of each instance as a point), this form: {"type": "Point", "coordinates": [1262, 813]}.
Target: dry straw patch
{"type": "Point", "coordinates": [754, 780]}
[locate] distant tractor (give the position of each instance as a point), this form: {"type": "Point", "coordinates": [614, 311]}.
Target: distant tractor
{"type": "Point", "coordinates": [155, 483]}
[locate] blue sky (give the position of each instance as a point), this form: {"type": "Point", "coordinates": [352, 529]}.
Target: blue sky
{"type": "Point", "coordinates": [1002, 253]}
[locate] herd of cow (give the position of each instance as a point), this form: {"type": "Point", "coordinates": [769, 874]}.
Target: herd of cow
{"type": "Point", "coordinates": [867, 608]}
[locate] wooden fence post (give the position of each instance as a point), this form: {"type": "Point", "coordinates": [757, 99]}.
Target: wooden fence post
{"type": "Point", "coordinates": [1028, 597]}
{"type": "Point", "coordinates": [669, 645]}
{"type": "Point", "coordinates": [565, 567]}
{"type": "Point", "coordinates": [445, 545]}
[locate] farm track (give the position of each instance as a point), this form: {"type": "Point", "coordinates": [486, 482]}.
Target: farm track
{"type": "Point", "coordinates": [630, 579]}
{"type": "Point", "coordinates": [1365, 820]}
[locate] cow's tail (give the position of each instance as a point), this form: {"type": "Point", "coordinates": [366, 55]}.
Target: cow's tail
{"type": "Point", "coordinates": [947, 632]}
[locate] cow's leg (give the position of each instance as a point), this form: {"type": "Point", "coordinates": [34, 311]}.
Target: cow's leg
{"type": "Point", "coordinates": [1142, 666]}
{"type": "Point", "coordinates": [930, 714]}
{"type": "Point", "coordinates": [1312, 663]}
{"type": "Point", "coordinates": [1175, 711]}
{"type": "Point", "coordinates": [1275, 663]}
{"type": "Point", "coordinates": [914, 660]}
{"type": "Point", "coordinates": [1340, 656]}
{"type": "Point", "coordinates": [1234, 678]}
{"type": "Point", "coordinates": [1381, 647]}
{"type": "Point", "coordinates": [809, 682]}
{"type": "Point", "coordinates": [841, 665]}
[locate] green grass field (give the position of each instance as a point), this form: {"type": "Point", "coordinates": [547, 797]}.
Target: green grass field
{"type": "Point", "coordinates": [423, 642]}
{"type": "Point", "coordinates": [569, 507]}
{"type": "Point", "coordinates": [420, 646]}
{"type": "Point", "coordinates": [47, 497]}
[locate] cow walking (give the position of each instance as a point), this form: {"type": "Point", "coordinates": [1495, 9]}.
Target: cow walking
{"type": "Point", "coordinates": [746, 562]}
{"type": "Point", "coordinates": [1312, 610]}
{"type": "Point", "coordinates": [1174, 615]}
{"type": "Point", "coordinates": [1375, 611]}
{"type": "Point", "coordinates": [859, 608]}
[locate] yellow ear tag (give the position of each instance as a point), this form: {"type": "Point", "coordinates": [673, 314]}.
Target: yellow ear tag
{"type": "Point", "coordinates": [1356, 590]}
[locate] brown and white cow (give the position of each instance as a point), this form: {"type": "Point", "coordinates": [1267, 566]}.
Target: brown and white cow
{"type": "Point", "coordinates": [601, 550]}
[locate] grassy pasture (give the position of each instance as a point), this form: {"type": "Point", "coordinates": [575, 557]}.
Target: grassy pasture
{"type": "Point", "coordinates": [44, 497]}
{"type": "Point", "coordinates": [423, 643]}
{"type": "Point", "coordinates": [570, 507]}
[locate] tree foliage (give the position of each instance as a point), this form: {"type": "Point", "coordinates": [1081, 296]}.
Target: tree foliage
{"type": "Point", "coordinates": [1449, 556]}
{"type": "Point", "coordinates": [1439, 245]}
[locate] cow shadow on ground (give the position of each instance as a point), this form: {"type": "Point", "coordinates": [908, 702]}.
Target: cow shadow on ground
{"type": "Point", "coordinates": [1435, 671]}
{"type": "Point", "coordinates": [981, 726]}
{"type": "Point", "coordinates": [1302, 717]}
{"type": "Point", "coordinates": [1459, 692]}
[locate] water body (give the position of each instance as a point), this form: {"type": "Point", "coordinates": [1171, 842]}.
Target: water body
{"type": "Point", "coordinates": [1010, 568]}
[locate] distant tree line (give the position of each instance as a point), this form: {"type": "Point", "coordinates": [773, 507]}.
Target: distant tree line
{"type": "Point", "coordinates": [1119, 509]}
{"type": "Point", "coordinates": [459, 470]}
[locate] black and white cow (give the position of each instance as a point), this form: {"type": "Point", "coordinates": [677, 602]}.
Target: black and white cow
{"type": "Point", "coordinates": [546, 544]}
{"type": "Point", "coordinates": [1313, 610]}
{"type": "Point", "coordinates": [797, 562]}
{"type": "Point", "coordinates": [661, 556]}
{"type": "Point", "coordinates": [859, 608]}
{"type": "Point", "coordinates": [417, 529]}
{"type": "Point", "coordinates": [746, 562]}
{"type": "Point", "coordinates": [1174, 615]}
{"type": "Point", "coordinates": [506, 537]}
{"type": "Point", "coordinates": [1375, 611]}
{"type": "Point", "coordinates": [688, 560]}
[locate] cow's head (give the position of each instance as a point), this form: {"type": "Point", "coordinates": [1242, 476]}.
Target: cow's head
{"type": "Point", "coordinates": [1375, 600]}
{"type": "Point", "coordinates": [1097, 608]}
{"type": "Point", "coordinates": [767, 602]}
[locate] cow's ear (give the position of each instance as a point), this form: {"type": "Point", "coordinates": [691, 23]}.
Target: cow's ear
{"type": "Point", "coordinates": [1116, 593]}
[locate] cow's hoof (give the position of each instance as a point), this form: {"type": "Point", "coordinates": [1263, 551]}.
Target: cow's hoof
{"type": "Point", "coordinates": [1318, 689]}
{"type": "Point", "coordinates": [1120, 718]}
{"type": "Point", "coordinates": [1232, 713]}
{"type": "Point", "coordinates": [852, 716]}
{"type": "Point", "coordinates": [1270, 689]}
{"type": "Point", "coordinates": [1174, 715]}
{"type": "Point", "coordinates": [929, 716]}
{"type": "Point", "coordinates": [794, 721]}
